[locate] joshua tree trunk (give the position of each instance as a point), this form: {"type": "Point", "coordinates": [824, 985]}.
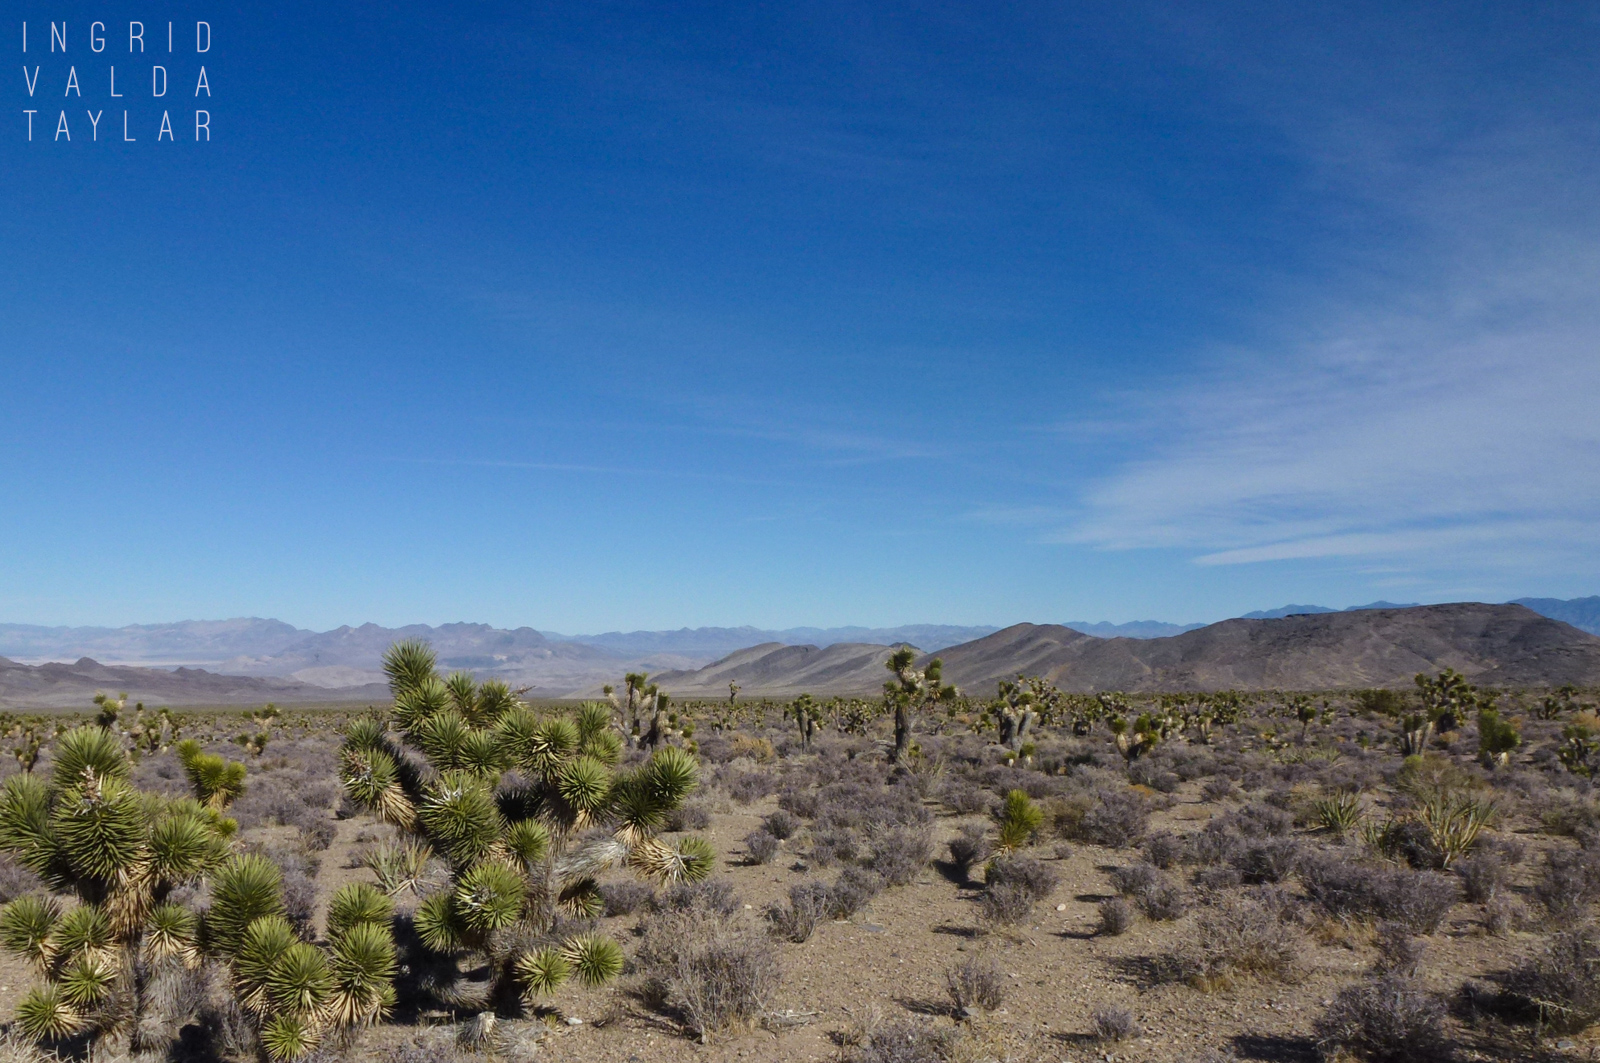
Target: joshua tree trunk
{"type": "Point", "coordinates": [902, 732]}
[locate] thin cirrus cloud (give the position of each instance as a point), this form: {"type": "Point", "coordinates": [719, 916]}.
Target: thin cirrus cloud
{"type": "Point", "coordinates": [1421, 439]}
{"type": "Point", "coordinates": [1440, 415]}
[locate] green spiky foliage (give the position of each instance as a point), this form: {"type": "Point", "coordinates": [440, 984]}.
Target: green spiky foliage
{"type": "Point", "coordinates": [217, 782]}
{"type": "Point", "coordinates": [1019, 820]}
{"type": "Point", "coordinates": [114, 855]}
{"type": "Point", "coordinates": [297, 993]}
{"type": "Point", "coordinates": [525, 811]}
{"type": "Point", "coordinates": [1497, 738]}
{"type": "Point", "coordinates": [1137, 740]}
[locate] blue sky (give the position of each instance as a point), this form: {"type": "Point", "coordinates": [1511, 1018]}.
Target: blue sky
{"type": "Point", "coordinates": [607, 316]}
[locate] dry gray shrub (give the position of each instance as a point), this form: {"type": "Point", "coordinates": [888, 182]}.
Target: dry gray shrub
{"type": "Point", "coordinates": [1113, 1023]}
{"type": "Point", "coordinates": [1390, 1019]}
{"type": "Point", "coordinates": [976, 984]}
{"type": "Point", "coordinates": [716, 970]}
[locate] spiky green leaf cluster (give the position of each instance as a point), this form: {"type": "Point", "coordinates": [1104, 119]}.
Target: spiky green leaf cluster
{"type": "Point", "coordinates": [217, 782]}
{"type": "Point", "coordinates": [525, 809]}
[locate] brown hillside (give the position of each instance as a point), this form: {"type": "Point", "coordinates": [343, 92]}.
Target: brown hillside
{"type": "Point", "coordinates": [1504, 645]}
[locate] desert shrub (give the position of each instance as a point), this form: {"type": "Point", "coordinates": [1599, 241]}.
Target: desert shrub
{"type": "Point", "coordinates": [1571, 881]}
{"type": "Point", "coordinates": [317, 834]}
{"type": "Point", "coordinates": [1500, 916]}
{"type": "Point", "coordinates": [809, 903]}
{"type": "Point", "coordinates": [710, 895]}
{"type": "Point", "coordinates": [1132, 879]}
{"type": "Point", "coordinates": [1162, 901]}
{"type": "Point", "coordinates": [691, 815]}
{"type": "Point", "coordinates": [967, 800]}
{"type": "Point", "coordinates": [1561, 986]}
{"type": "Point", "coordinates": [1035, 877]}
{"type": "Point", "coordinates": [970, 847]}
{"type": "Point", "coordinates": [1006, 904]}
{"type": "Point", "coordinates": [899, 853]}
{"type": "Point", "coordinates": [1151, 890]}
{"type": "Point", "coordinates": [1258, 820]}
{"type": "Point", "coordinates": [1214, 845]}
{"type": "Point", "coordinates": [1116, 820]}
{"type": "Point", "coordinates": [625, 898]}
{"type": "Point", "coordinates": [802, 803]}
{"type": "Point", "coordinates": [1418, 899]}
{"type": "Point", "coordinates": [1338, 884]}
{"type": "Point", "coordinates": [1113, 1023]}
{"type": "Point", "coordinates": [905, 1041]}
{"type": "Point", "coordinates": [853, 891]}
{"type": "Point", "coordinates": [830, 847]}
{"type": "Point", "coordinates": [1165, 850]}
{"type": "Point", "coordinates": [1483, 874]}
{"type": "Point", "coordinates": [1399, 951]}
{"type": "Point", "coordinates": [749, 786]}
{"type": "Point", "coordinates": [760, 846]}
{"type": "Point", "coordinates": [716, 970]}
{"type": "Point", "coordinates": [1116, 916]}
{"type": "Point", "coordinates": [1390, 1019]}
{"type": "Point", "coordinates": [781, 824]}
{"type": "Point", "coordinates": [1242, 935]}
{"type": "Point", "coordinates": [1216, 879]}
{"type": "Point", "coordinates": [1217, 788]}
{"type": "Point", "coordinates": [1265, 860]}
{"type": "Point", "coordinates": [15, 880]}
{"type": "Point", "coordinates": [976, 984]}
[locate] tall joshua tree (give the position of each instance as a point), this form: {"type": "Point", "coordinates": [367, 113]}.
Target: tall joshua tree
{"type": "Point", "coordinates": [910, 691]}
{"type": "Point", "coordinates": [634, 682]}
{"type": "Point", "coordinates": [525, 810]}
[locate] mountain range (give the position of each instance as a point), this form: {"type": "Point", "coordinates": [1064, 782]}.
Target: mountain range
{"type": "Point", "coordinates": [345, 663]}
{"type": "Point", "coordinates": [1507, 645]}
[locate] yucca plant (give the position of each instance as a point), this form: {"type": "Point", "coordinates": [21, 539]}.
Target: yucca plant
{"type": "Point", "coordinates": [1497, 738]}
{"type": "Point", "coordinates": [1453, 822]}
{"type": "Point", "coordinates": [116, 854]}
{"type": "Point", "coordinates": [524, 810]}
{"type": "Point", "coordinates": [1338, 814]}
{"type": "Point", "coordinates": [1019, 820]}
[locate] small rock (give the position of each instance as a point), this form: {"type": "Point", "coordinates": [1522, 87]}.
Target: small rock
{"type": "Point", "coordinates": [573, 1020]}
{"type": "Point", "coordinates": [1564, 1045]}
{"type": "Point", "coordinates": [1061, 907]}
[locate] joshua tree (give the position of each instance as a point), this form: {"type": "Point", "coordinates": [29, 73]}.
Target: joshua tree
{"type": "Point", "coordinates": [909, 691]}
{"type": "Point", "coordinates": [525, 811]}
{"type": "Point", "coordinates": [89, 833]}
{"type": "Point", "coordinates": [634, 683]}
{"type": "Point", "coordinates": [1016, 709]}
{"type": "Point", "coordinates": [298, 994]}
{"type": "Point", "coordinates": [120, 967]}
{"type": "Point", "coordinates": [1446, 698]}
{"type": "Point", "coordinates": [1138, 740]}
{"type": "Point", "coordinates": [217, 782]}
{"type": "Point", "coordinates": [806, 714]}
{"type": "Point", "coordinates": [659, 700]}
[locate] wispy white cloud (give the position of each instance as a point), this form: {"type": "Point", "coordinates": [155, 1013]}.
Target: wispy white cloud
{"type": "Point", "coordinates": [1436, 411]}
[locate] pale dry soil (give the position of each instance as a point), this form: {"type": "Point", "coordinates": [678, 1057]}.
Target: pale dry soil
{"type": "Point", "coordinates": [891, 961]}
